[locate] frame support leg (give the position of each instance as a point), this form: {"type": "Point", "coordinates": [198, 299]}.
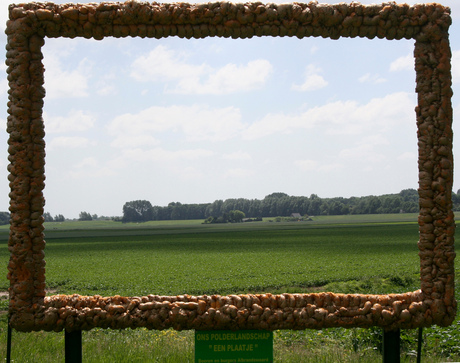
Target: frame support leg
{"type": "Point", "coordinates": [8, 342]}
{"type": "Point", "coordinates": [391, 346]}
{"type": "Point", "coordinates": [73, 353]}
{"type": "Point", "coordinates": [419, 345]}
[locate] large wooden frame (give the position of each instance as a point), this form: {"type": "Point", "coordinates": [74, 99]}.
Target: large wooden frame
{"type": "Point", "coordinates": [427, 24]}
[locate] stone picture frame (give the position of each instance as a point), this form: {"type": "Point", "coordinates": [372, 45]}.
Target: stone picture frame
{"type": "Point", "coordinates": [29, 307]}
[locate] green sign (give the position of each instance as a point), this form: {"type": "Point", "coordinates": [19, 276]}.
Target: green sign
{"type": "Point", "coordinates": [225, 346]}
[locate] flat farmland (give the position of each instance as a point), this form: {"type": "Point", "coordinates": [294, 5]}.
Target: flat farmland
{"type": "Point", "coordinates": [349, 254]}
{"type": "Point", "coordinates": [108, 258]}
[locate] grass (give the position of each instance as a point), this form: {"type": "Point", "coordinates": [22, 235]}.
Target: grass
{"type": "Point", "coordinates": [350, 254]}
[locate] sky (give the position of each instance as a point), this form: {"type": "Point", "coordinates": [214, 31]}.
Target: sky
{"type": "Point", "coordinates": [193, 121]}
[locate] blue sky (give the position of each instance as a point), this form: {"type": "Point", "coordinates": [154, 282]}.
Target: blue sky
{"type": "Point", "coordinates": [198, 120]}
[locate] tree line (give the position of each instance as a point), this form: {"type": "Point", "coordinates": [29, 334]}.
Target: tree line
{"type": "Point", "coordinates": [4, 218]}
{"type": "Point", "coordinates": [57, 218]}
{"type": "Point", "coordinates": [274, 205]}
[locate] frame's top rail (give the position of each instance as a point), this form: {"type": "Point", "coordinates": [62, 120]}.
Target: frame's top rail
{"type": "Point", "coordinates": [238, 20]}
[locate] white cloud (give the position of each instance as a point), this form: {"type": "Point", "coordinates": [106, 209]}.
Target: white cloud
{"type": "Point", "coordinates": [408, 156]}
{"type": "Point", "coordinates": [313, 81]}
{"type": "Point", "coordinates": [362, 153]}
{"type": "Point", "coordinates": [366, 151]}
{"type": "Point", "coordinates": [331, 167]}
{"type": "Point", "coordinates": [75, 121]}
{"type": "Point", "coordinates": [371, 78]}
{"type": "Point", "coordinates": [190, 173]}
{"type": "Point", "coordinates": [196, 123]}
{"type": "Point", "coordinates": [162, 155]}
{"type": "Point", "coordinates": [71, 142]}
{"type": "Point", "coordinates": [163, 64]}
{"type": "Point", "coordinates": [61, 83]}
{"type": "Point", "coordinates": [229, 79]}
{"type": "Point", "coordinates": [340, 117]}
{"type": "Point", "coordinates": [184, 163]}
{"type": "Point", "coordinates": [107, 90]}
{"type": "Point", "coordinates": [105, 86]}
{"type": "Point", "coordinates": [3, 17]}
{"type": "Point", "coordinates": [89, 162]}
{"type": "Point", "coordinates": [378, 114]}
{"type": "Point", "coordinates": [237, 155]}
{"type": "Point", "coordinates": [3, 88]}
{"type": "Point", "coordinates": [405, 63]}
{"type": "Point", "coordinates": [134, 141]}
{"type": "Point", "coordinates": [238, 173]}
{"type": "Point", "coordinates": [375, 139]}
{"type": "Point", "coordinates": [314, 49]}
{"type": "Point", "coordinates": [176, 161]}
{"type": "Point", "coordinates": [89, 168]}
{"type": "Point", "coordinates": [307, 165]}
{"type": "Point", "coordinates": [279, 124]}
{"type": "Point", "coordinates": [3, 76]}
{"type": "Point", "coordinates": [456, 66]}
{"type": "Point", "coordinates": [310, 165]}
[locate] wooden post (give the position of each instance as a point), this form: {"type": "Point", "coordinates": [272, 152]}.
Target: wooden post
{"type": "Point", "coordinates": [73, 353]}
{"type": "Point", "coordinates": [8, 342]}
{"type": "Point", "coordinates": [391, 346]}
{"type": "Point", "coordinates": [419, 345]}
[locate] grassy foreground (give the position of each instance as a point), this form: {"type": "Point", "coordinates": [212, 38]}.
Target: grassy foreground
{"type": "Point", "coordinates": [360, 254]}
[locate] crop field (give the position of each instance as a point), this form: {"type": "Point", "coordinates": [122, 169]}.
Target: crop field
{"type": "Point", "coordinates": [363, 254]}
{"type": "Point", "coordinates": [223, 259]}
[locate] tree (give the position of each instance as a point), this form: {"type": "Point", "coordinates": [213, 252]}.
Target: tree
{"type": "Point", "coordinates": [215, 208]}
{"type": "Point", "coordinates": [255, 208]}
{"type": "Point", "coordinates": [276, 195]}
{"type": "Point", "coordinates": [373, 205]}
{"type": "Point", "coordinates": [59, 218]}
{"type": "Point", "coordinates": [48, 217]}
{"type": "Point", "coordinates": [409, 194]}
{"type": "Point", "coordinates": [137, 211]}
{"type": "Point", "coordinates": [236, 216]}
{"type": "Point", "coordinates": [85, 216]}
{"type": "Point", "coordinates": [4, 218]}
{"type": "Point", "coordinates": [315, 205]}
{"type": "Point", "coordinates": [177, 211]}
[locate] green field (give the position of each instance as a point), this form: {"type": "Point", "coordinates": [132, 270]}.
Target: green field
{"type": "Point", "coordinates": [362, 254]}
{"type": "Point", "coordinates": [110, 258]}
